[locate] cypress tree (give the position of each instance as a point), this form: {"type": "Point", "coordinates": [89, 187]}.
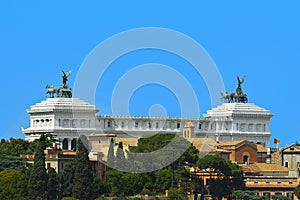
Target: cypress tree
{"type": "Point", "coordinates": [110, 154]}
{"type": "Point", "coordinates": [52, 185]}
{"type": "Point", "coordinates": [37, 185]}
{"type": "Point", "coordinates": [67, 180]}
{"type": "Point", "coordinates": [120, 158]}
{"type": "Point", "coordinates": [83, 177]}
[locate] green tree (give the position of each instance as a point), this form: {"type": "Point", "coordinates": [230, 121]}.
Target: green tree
{"type": "Point", "coordinates": [37, 186]}
{"type": "Point", "coordinates": [120, 158]}
{"type": "Point", "coordinates": [177, 173]}
{"type": "Point", "coordinates": [12, 185]}
{"type": "Point", "coordinates": [100, 187]}
{"type": "Point", "coordinates": [52, 184]}
{"type": "Point", "coordinates": [83, 177]}
{"type": "Point", "coordinates": [110, 154]}
{"type": "Point", "coordinates": [176, 194]}
{"type": "Point", "coordinates": [152, 143]}
{"type": "Point", "coordinates": [133, 183]}
{"type": "Point", "coordinates": [15, 147]}
{"type": "Point", "coordinates": [67, 180]}
{"type": "Point", "coordinates": [163, 179]}
{"type": "Point", "coordinates": [280, 197]}
{"type": "Point", "coordinates": [246, 195]}
{"type": "Point", "coordinates": [297, 191]}
{"type": "Point", "coordinates": [114, 179]}
{"type": "Point", "coordinates": [229, 176]}
{"type": "Point", "coordinates": [12, 162]}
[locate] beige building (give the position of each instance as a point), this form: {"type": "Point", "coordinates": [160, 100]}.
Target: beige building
{"type": "Point", "coordinates": [58, 159]}
{"type": "Point", "coordinates": [270, 179]}
{"type": "Point", "coordinates": [291, 158]}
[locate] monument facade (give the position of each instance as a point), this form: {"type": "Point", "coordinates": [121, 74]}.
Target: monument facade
{"type": "Point", "coordinates": [68, 118]}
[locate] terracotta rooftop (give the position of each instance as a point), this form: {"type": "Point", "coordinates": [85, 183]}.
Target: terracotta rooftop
{"type": "Point", "coordinates": [263, 167]}
{"type": "Point", "coordinates": [292, 148]}
{"type": "Point", "coordinates": [261, 149]}
{"type": "Point", "coordinates": [230, 143]}
{"type": "Point", "coordinates": [234, 144]}
{"type": "Point", "coordinates": [204, 144]}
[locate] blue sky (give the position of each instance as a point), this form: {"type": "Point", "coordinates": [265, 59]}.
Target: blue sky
{"type": "Point", "coordinates": [259, 39]}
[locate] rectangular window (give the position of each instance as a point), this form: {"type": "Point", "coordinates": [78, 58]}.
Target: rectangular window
{"type": "Point", "coordinates": [200, 126]}
{"type": "Point", "coordinates": [48, 165]}
{"type": "Point", "coordinates": [157, 125]}
{"type": "Point", "coordinates": [278, 182]}
{"type": "Point", "coordinates": [150, 125]}
{"type": "Point", "coordinates": [178, 125]}
{"type": "Point", "coordinates": [136, 125]}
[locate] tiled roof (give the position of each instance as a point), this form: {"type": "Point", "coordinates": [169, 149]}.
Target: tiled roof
{"type": "Point", "coordinates": [292, 148]}
{"type": "Point", "coordinates": [235, 144]}
{"type": "Point", "coordinates": [261, 149]}
{"type": "Point", "coordinates": [204, 144]}
{"type": "Point", "coordinates": [230, 143]}
{"type": "Point", "coordinates": [263, 167]}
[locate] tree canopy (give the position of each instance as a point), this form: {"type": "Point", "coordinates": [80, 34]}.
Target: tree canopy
{"type": "Point", "coordinates": [297, 191]}
{"type": "Point", "coordinates": [37, 185]}
{"type": "Point", "coordinates": [225, 177]}
{"type": "Point", "coordinates": [83, 177]}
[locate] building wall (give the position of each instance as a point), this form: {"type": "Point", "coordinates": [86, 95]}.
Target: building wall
{"type": "Point", "coordinates": [245, 151]}
{"type": "Point", "coordinates": [276, 156]}
{"type": "Point", "coordinates": [266, 186]}
{"type": "Point", "coordinates": [292, 161]}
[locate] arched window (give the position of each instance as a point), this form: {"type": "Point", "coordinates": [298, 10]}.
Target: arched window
{"type": "Point", "coordinates": [65, 144]}
{"type": "Point", "coordinates": [73, 144]}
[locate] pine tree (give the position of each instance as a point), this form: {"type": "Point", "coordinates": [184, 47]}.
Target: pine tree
{"type": "Point", "coordinates": [37, 185]}
{"type": "Point", "coordinates": [110, 154]}
{"type": "Point", "coordinates": [83, 177]}
{"type": "Point", "coordinates": [52, 185]}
